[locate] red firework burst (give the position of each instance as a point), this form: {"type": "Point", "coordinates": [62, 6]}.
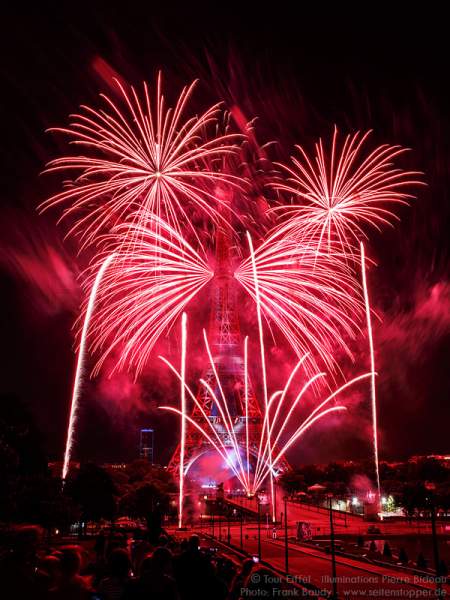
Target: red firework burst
{"type": "Point", "coordinates": [338, 191]}
{"type": "Point", "coordinates": [140, 154]}
{"type": "Point", "coordinates": [154, 274]}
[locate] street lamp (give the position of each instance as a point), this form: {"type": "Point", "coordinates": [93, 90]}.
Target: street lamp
{"type": "Point", "coordinates": [258, 501]}
{"type": "Point", "coordinates": [240, 528]}
{"type": "Point", "coordinates": [431, 487]}
{"type": "Point", "coordinates": [286, 541]}
{"type": "Point", "coordinates": [333, 550]}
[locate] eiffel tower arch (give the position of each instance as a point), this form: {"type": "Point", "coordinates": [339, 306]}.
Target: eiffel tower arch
{"type": "Point", "coordinates": [226, 345]}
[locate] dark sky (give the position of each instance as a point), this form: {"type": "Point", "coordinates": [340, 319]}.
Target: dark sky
{"type": "Point", "coordinates": [299, 72]}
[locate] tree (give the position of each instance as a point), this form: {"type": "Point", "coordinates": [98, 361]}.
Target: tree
{"type": "Point", "coordinates": [292, 482]}
{"type": "Point", "coordinates": [41, 500]}
{"type": "Point", "coordinates": [338, 488]}
{"type": "Point", "coordinates": [138, 469]}
{"type": "Point", "coordinates": [93, 490]}
{"type": "Point", "coordinates": [22, 460]}
{"type": "Point", "coordinates": [147, 501]}
{"type": "Point", "coordinates": [337, 473]}
{"type": "Point", "coordinates": [430, 469]}
{"type": "Point", "coordinates": [311, 474]}
{"type": "Point", "coordinates": [413, 497]}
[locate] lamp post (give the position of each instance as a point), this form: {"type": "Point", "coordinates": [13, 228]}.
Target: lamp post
{"type": "Point", "coordinates": [274, 516]}
{"type": "Point", "coordinates": [204, 513]}
{"type": "Point", "coordinates": [241, 529]}
{"type": "Point", "coordinates": [431, 487]}
{"type": "Point", "coordinates": [333, 551]}
{"type": "Point", "coordinates": [286, 541]}
{"type": "Point", "coordinates": [220, 515]}
{"type": "Point", "coordinates": [259, 527]}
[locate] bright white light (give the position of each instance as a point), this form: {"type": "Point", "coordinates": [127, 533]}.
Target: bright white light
{"type": "Point", "coordinates": [355, 501]}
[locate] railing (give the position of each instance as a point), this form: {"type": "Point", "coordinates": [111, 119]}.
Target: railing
{"type": "Point", "coordinates": [289, 582]}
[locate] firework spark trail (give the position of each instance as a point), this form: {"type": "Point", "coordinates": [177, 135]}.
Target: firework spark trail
{"type": "Point", "coordinates": [213, 437]}
{"type": "Point", "coordinates": [142, 156]}
{"type": "Point", "coordinates": [80, 364]}
{"type": "Point", "coordinates": [373, 391]}
{"type": "Point", "coordinates": [312, 297]}
{"type": "Point", "coordinates": [300, 431]}
{"type": "Point", "coordinates": [274, 421]}
{"type": "Point", "coordinates": [278, 408]}
{"type": "Point", "coordinates": [314, 416]}
{"type": "Point", "coordinates": [230, 446]}
{"type": "Point", "coordinates": [340, 192]}
{"type": "Point", "coordinates": [246, 406]}
{"type": "Point", "coordinates": [221, 448]}
{"type": "Point", "coordinates": [263, 367]}
{"type": "Point", "coordinates": [222, 405]}
{"type": "Point", "coordinates": [156, 273]}
{"type": "Point", "coordinates": [228, 419]}
{"type": "Point", "coordinates": [218, 444]}
{"type": "Point", "coordinates": [183, 417]}
{"type": "Point", "coordinates": [242, 473]}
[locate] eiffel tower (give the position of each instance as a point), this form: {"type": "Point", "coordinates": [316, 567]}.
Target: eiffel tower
{"type": "Point", "coordinates": [226, 345]}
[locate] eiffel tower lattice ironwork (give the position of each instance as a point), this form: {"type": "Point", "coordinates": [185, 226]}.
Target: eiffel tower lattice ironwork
{"type": "Point", "coordinates": [226, 345]}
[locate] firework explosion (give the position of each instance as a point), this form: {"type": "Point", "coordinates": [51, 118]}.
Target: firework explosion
{"type": "Point", "coordinates": [311, 296]}
{"type": "Point", "coordinates": [147, 180]}
{"type": "Point", "coordinates": [141, 155]}
{"type": "Point", "coordinates": [338, 192]}
{"type": "Point", "coordinates": [155, 274]}
{"type": "Point", "coordinates": [279, 415]}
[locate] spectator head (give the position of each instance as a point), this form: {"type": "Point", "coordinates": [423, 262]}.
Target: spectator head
{"type": "Point", "coordinates": [146, 565]}
{"type": "Point", "coordinates": [194, 543]}
{"type": "Point", "coordinates": [70, 561]}
{"type": "Point", "coordinates": [119, 563]}
{"type": "Point", "coordinates": [26, 540]}
{"type": "Point", "coordinates": [51, 565]}
{"type": "Point", "coordinates": [247, 566]}
{"type": "Point", "coordinates": [163, 540]}
{"type": "Point", "coordinates": [161, 559]}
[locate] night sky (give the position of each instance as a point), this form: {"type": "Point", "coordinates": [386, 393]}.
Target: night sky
{"type": "Point", "coordinates": [299, 73]}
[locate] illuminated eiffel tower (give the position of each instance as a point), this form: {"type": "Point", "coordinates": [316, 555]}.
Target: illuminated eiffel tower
{"type": "Point", "coordinates": [226, 345]}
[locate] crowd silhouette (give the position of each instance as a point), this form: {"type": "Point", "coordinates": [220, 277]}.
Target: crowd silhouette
{"type": "Point", "coordinates": [119, 567]}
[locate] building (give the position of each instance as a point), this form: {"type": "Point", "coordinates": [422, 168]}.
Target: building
{"type": "Point", "coordinates": [146, 444]}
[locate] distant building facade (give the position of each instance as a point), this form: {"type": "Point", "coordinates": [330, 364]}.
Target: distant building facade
{"type": "Point", "coordinates": [146, 444]}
